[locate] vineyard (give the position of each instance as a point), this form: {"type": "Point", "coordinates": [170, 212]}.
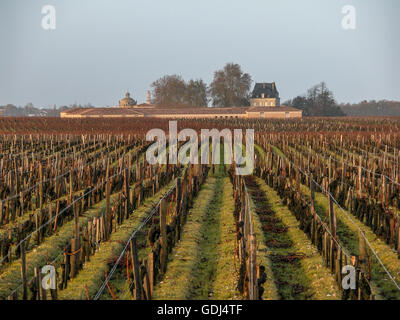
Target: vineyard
{"type": "Point", "coordinates": [79, 197]}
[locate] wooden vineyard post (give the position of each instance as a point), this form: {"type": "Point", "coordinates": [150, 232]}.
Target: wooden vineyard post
{"type": "Point", "coordinates": [75, 245]}
{"type": "Point", "coordinates": [360, 179]}
{"type": "Point", "coordinates": [57, 207]}
{"type": "Point", "coordinates": [324, 248]}
{"type": "Point", "coordinates": [384, 191]}
{"type": "Point", "coordinates": [37, 283]}
{"type": "Point", "coordinates": [70, 188]}
{"type": "Point", "coordinates": [333, 228]}
{"type": "Point", "coordinates": [314, 224]}
{"type": "Point", "coordinates": [343, 172]}
{"type": "Point", "coordinates": [41, 289]}
{"type": "Point", "coordinates": [332, 218]}
{"type": "Point", "coordinates": [363, 255]}
{"type": "Point", "coordinates": [126, 184]}
{"type": "Point", "coordinates": [253, 257]}
{"type": "Point", "coordinates": [298, 180]}
{"type": "Point", "coordinates": [398, 241]}
{"type": "Point", "coordinates": [338, 267]}
{"type": "Point", "coordinates": [66, 269]}
{"type": "Point", "coordinates": [312, 194]}
{"type": "Point", "coordinates": [150, 270]}
{"type": "Point", "coordinates": [147, 287]}
{"type": "Point", "coordinates": [136, 270]}
{"type": "Point", "coordinates": [73, 257]}
{"type": "Point", "coordinates": [23, 272]}
{"type": "Point", "coordinates": [178, 192]}
{"type": "Point", "coordinates": [41, 187]}
{"type": "Point", "coordinates": [1, 212]}
{"type": "Point", "coordinates": [108, 211]}
{"type": "Point", "coordinates": [178, 211]}
{"type": "Point", "coordinates": [163, 235]}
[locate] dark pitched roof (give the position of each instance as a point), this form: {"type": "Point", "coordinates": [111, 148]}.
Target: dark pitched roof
{"type": "Point", "coordinates": [269, 90]}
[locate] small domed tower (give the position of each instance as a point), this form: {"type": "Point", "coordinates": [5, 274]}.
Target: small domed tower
{"type": "Point", "coordinates": [127, 102]}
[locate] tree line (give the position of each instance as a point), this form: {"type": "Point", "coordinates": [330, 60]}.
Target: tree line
{"type": "Point", "coordinates": [372, 108]}
{"type": "Point", "coordinates": [230, 87]}
{"type": "Point", "coordinates": [318, 102]}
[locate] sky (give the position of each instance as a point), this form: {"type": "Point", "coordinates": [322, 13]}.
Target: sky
{"type": "Point", "coordinates": [99, 49]}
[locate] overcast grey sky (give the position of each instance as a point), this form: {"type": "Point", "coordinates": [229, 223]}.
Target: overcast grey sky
{"type": "Point", "coordinates": [101, 48]}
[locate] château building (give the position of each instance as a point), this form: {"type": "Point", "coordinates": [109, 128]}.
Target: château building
{"type": "Point", "coordinates": [265, 103]}
{"type": "Point", "coordinates": [265, 95]}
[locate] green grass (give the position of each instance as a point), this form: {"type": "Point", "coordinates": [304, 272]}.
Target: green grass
{"type": "Point", "coordinates": [202, 265]}
{"type": "Point", "coordinates": [318, 278]}
{"type": "Point", "coordinates": [226, 279]}
{"type": "Point", "coordinates": [270, 289]}
{"type": "Point", "coordinates": [184, 259]}
{"type": "Point", "coordinates": [297, 268]}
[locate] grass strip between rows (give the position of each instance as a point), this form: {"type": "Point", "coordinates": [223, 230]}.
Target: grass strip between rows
{"type": "Point", "coordinates": [202, 265]}
{"type": "Point", "coordinates": [320, 281]}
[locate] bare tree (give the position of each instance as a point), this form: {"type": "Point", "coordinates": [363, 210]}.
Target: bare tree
{"type": "Point", "coordinates": [319, 101]}
{"type": "Point", "coordinates": [230, 87]}
{"type": "Point", "coordinates": [196, 93]}
{"type": "Point", "coordinates": [168, 90]}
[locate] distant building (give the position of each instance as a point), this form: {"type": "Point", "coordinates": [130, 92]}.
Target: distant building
{"type": "Point", "coordinates": [265, 95]}
{"type": "Point", "coordinates": [127, 102]}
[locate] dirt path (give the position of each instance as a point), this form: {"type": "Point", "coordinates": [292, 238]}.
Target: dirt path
{"type": "Point", "coordinates": [297, 268]}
